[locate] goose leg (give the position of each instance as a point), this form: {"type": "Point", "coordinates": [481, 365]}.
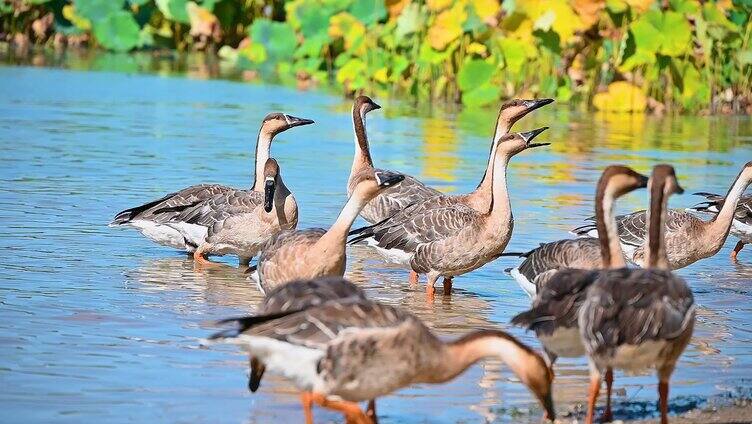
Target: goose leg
{"type": "Point", "coordinates": [306, 398]}
{"type": "Point", "coordinates": [430, 289]}
{"type": "Point", "coordinates": [595, 387]}
{"type": "Point", "coordinates": [738, 248]}
{"type": "Point", "coordinates": [663, 400]}
{"type": "Point", "coordinates": [371, 411]}
{"type": "Point", "coordinates": [351, 410]}
{"type": "Point", "coordinates": [608, 416]}
{"type": "Point", "coordinates": [447, 286]}
{"type": "Point", "coordinates": [413, 278]}
{"type": "Point", "coordinates": [257, 371]}
{"type": "Point", "coordinates": [200, 259]}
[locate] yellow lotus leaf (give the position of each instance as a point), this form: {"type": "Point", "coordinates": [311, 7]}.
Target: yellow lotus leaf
{"type": "Point", "coordinates": [382, 75]}
{"type": "Point", "coordinates": [447, 27]}
{"type": "Point", "coordinates": [348, 27]}
{"type": "Point", "coordinates": [69, 12]}
{"type": "Point", "coordinates": [519, 26]}
{"type": "Point", "coordinates": [621, 96]}
{"type": "Point", "coordinates": [554, 14]}
{"type": "Point", "coordinates": [588, 10]}
{"type": "Point", "coordinates": [640, 5]}
{"type": "Point", "coordinates": [485, 9]}
{"type": "Point", "coordinates": [438, 5]}
{"type": "Point", "coordinates": [477, 48]}
{"type": "Point", "coordinates": [395, 7]}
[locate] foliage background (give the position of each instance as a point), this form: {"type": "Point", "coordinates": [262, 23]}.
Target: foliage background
{"type": "Point", "coordinates": [616, 55]}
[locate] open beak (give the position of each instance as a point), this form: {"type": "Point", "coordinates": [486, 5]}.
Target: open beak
{"type": "Point", "coordinates": [530, 135]}
{"type": "Point", "coordinates": [386, 178]}
{"type": "Point", "coordinates": [531, 105]}
{"type": "Point", "coordinates": [269, 188]}
{"type": "Point", "coordinates": [294, 121]}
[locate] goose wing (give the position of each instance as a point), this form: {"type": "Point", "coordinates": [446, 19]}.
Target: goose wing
{"type": "Point", "coordinates": [558, 302]}
{"type": "Point", "coordinates": [581, 253]}
{"type": "Point", "coordinates": [214, 211]}
{"type": "Point", "coordinates": [165, 208]}
{"type": "Point", "coordinates": [632, 306]}
{"type": "Point", "coordinates": [395, 199]}
{"type": "Point", "coordinates": [304, 294]}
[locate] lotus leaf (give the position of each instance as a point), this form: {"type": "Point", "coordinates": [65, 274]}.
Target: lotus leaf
{"type": "Point", "coordinates": [447, 27]}
{"type": "Point", "coordinates": [621, 96]}
{"type": "Point", "coordinates": [485, 9]}
{"type": "Point", "coordinates": [348, 27]}
{"type": "Point", "coordinates": [368, 11]}
{"type": "Point", "coordinates": [395, 7]}
{"type": "Point", "coordinates": [97, 10]}
{"type": "Point", "coordinates": [353, 74]}
{"type": "Point", "coordinates": [513, 52]}
{"type": "Point", "coordinates": [409, 21]}
{"type": "Point", "coordinates": [474, 73]}
{"type": "Point", "coordinates": [174, 10]}
{"type": "Point", "coordinates": [118, 31]}
{"type": "Point", "coordinates": [438, 5]}
{"type": "Point", "coordinates": [69, 13]}
{"type": "Point", "coordinates": [667, 33]}
{"type": "Point", "coordinates": [483, 95]}
{"type": "Point", "coordinates": [278, 38]}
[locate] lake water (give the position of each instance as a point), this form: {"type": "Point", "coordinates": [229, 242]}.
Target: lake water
{"type": "Point", "coordinates": [100, 324]}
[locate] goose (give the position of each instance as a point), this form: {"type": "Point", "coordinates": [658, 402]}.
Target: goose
{"type": "Point", "coordinates": [348, 350]}
{"type": "Point", "coordinates": [392, 203]}
{"type": "Point", "coordinates": [315, 252]}
{"type": "Point", "coordinates": [553, 314]}
{"type": "Point", "coordinates": [238, 222]}
{"type": "Point", "coordinates": [688, 238]}
{"type": "Point", "coordinates": [741, 227]}
{"type": "Point", "coordinates": [452, 238]}
{"type": "Point", "coordinates": [581, 253]}
{"type": "Point", "coordinates": [150, 218]}
{"type": "Point", "coordinates": [636, 319]}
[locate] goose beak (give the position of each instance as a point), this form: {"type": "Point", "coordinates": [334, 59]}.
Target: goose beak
{"type": "Point", "coordinates": [294, 121]}
{"type": "Point", "coordinates": [374, 106]}
{"type": "Point", "coordinates": [530, 135]}
{"type": "Point", "coordinates": [679, 189]}
{"type": "Point", "coordinates": [531, 105]}
{"type": "Point", "coordinates": [643, 181]}
{"type": "Point", "coordinates": [269, 188]}
{"type": "Point", "coordinates": [386, 178]}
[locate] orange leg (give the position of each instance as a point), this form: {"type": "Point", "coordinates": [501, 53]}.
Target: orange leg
{"type": "Point", "coordinates": [738, 248]}
{"type": "Point", "coordinates": [351, 410]}
{"type": "Point", "coordinates": [608, 416]}
{"type": "Point", "coordinates": [306, 398]}
{"type": "Point", "coordinates": [200, 260]}
{"type": "Point", "coordinates": [430, 289]}
{"type": "Point", "coordinates": [414, 278]}
{"type": "Point", "coordinates": [663, 400]}
{"type": "Point", "coordinates": [595, 387]}
{"type": "Point", "coordinates": [447, 286]}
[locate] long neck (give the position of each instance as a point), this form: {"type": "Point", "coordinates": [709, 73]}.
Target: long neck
{"type": "Point", "coordinates": [362, 158]}
{"type": "Point", "coordinates": [263, 146]}
{"type": "Point", "coordinates": [721, 223]}
{"type": "Point", "coordinates": [501, 207]}
{"type": "Point", "coordinates": [337, 234]}
{"type": "Point", "coordinates": [656, 249]}
{"type": "Point", "coordinates": [465, 352]}
{"type": "Point", "coordinates": [480, 198]}
{"type": "Point", "coordinates": [608, 235]}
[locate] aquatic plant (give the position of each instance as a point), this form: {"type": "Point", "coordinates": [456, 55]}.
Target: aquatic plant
{"type": "Point", "coordinates": [616, 55]}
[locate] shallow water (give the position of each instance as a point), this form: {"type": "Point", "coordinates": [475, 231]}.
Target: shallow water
{"type": "Point", "coordinates": [100, 324]}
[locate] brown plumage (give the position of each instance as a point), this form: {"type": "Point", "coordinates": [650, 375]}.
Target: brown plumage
{"type": "Point", "coordinates": [151, 218]}
{"type": "Point", "coordinates": [311, 253]}
{"type": "Point", "coordinates": [358, 350]}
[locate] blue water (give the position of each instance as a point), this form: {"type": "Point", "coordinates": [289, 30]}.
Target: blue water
{"type": "Point", "coordinates": [99, 324]}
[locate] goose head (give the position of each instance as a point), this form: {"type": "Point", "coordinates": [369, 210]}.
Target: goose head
{"type": "Point", "coordinates": [619, 180]}
{"type": "Point", "coordinates": [513, 110]}
{"type": "Point", "coordinates": [271, 178]}
{"type": "Point", "coordinates": [276, 122]}
{"type": "Point", "coordinates": [364, 104]}
{"type": "Point", "coordinates": [514, 143]}
{"type": "Point", "coordinates": [664, 179]}
{"type": "Point", "coordinates": [369, 183]}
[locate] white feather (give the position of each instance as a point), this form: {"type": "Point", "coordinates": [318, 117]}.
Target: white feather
{"type": "Point", "coordinates": [160, 233]}
{"type": "Point", "coordinates": [524, 283]}
{"type": "Point", "coordinates": [194, 233]}
{"type": "Point", "coordinates": [395, 256]}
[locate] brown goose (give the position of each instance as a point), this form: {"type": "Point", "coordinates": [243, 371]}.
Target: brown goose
{"type": "Point", "coordinates": [151, 218]}
{"type": "Point", "coordinates": [741, 227]}
{"type": "Point", "coordinates": [298, 254]}
{"type": "Point", "coordinates": [634, 319]}
{"type": "Point", "coordinates": [543, 262]}
{"type": "Point", "coordinates": [239, 222]}
{"type": "Point", "coordinates": [453, 238]}
{"type": "Point", "coordinates": [557, 297]}
{"type": "Point", "coordinates": [357, 350]}
{"type": "Point", "coordinates": [688, 238]}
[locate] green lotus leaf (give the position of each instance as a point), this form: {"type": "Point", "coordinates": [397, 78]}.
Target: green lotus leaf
{"type": "Point", "coordinates": [174, 10]}
{"type": "Point", "coordinates": [353, 73]}
{"type": "Point", "coordinates": [409, 21]}
{"type": "Point", "coordinates": [685, 6]}
{"type": "Point", "coordinates": [474, 73]}
{"type": "Point", "coordinates": [312, 46]}
{"type": "Point", "coordinates": [514, 53]}
{"type": "Point", "coordinates": [368, 11]}
{"type": "Point", "coordinates": [744, 57]}
{"type": "Point", "coordinates": [97, 10]}
{"type": "Point", "coordinates": [118, 31]}
{"type": "Point", "coordinates": [666, 33]}
{"type": "Point", "coordinates": [483, 95]}
{"type": "Point", "coordinates": [278, 38]}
